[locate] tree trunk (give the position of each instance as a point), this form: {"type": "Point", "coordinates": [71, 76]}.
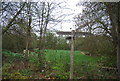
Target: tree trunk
{"type": "Point", "coordinates": [114, 13]}
{"type": "Point", "coordinates": [118, 56]}
{"type": "Point", "coordinates": [41, 26]}
{"type": "Point", "coordinates": [28, 31]}
{"type": "Point", "coordinates": [46, 23]}
{"type": "Point", "coordinates": [118, 44]}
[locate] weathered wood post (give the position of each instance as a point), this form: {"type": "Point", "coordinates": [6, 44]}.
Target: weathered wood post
{"type": "Point", "coordinates": [72, 55]}
{"type": "Point", "coordinates": [71, 37]}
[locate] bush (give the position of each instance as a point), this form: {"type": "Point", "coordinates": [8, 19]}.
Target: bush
{"type": "Point", "coordinates": [15, 75]}
{"type": "Point", "coordinates": [11, 57]}
{"type": "Point", "coordinates": [100, 46]}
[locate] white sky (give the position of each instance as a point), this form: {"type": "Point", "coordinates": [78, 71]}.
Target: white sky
{"type": "Point", "coordinates": [72, 9]}
{"type": "Point", "coordinates": [75, 10]}
{"type": "Point", "coordinates": [65, 26]}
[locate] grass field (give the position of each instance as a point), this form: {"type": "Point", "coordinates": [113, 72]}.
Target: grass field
{"type": "Point", "coordinates": [63, 55]}
{"type": "Point", "coordinates": [56, 64]}
{"type": "Point", "coordinates": [60, 61]}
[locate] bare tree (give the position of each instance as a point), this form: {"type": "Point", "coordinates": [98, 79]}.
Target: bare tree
{"type": "Point", "coordinates": [106, 18]}
{"type": "Point", "coordinates": [11, 21]}
{"type": "Point", "coordinates": [113, 10]}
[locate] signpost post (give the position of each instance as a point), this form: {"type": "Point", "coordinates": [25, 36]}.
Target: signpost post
{"type": "Point", "coordinates": [72, 55]}
{"type": "Point", "coordinates": [73, 33]}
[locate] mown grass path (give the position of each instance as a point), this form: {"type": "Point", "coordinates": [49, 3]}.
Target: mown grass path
{"type": "Point", "coordinates": [59, 60]}
{"type": "Point", "coordinates": [64, 56]}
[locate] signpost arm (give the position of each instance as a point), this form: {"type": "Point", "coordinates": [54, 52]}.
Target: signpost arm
{"type": "Point", "coordinates": [72, 56]}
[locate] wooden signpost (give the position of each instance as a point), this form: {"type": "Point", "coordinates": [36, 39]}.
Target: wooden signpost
{"type": "Point", "coordinates": [72, 37]}
{"type": "Point", "coordinates": [72, 55]}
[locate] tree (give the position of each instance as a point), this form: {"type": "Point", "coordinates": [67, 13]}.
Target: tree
{"type": "Point", "coordinates": [11, 21]}
{"type": "Point", "coordinates": [107, 22]}
{"type": "Point", "coordinates": [20, 21]}
{"type": "Point", "coordinates": [114, 13]}
{"type": "Point", "coordinates": [94, 19]}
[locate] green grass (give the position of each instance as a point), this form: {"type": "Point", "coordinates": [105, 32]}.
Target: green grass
{"type": "Point", "coordinates": [58, 63]}
{"type": "Point", "coordinates": [60, 60]}
{"type": "Point", "coordinates": [64, 56]}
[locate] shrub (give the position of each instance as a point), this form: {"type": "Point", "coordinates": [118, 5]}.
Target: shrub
{"type": "Point", "coordinates": [15, 75]}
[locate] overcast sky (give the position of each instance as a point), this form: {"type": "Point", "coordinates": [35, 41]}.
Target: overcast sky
{"type": "Point", "coordinates": [70, 8]}
{"type": "Point", "coordinates": [74, 10]}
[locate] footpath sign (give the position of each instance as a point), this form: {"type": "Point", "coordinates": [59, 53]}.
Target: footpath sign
{"type": "Point", "coordinates": [72, 38]}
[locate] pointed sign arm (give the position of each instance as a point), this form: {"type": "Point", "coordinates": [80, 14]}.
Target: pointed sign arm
{"type": "Point", "coordinates": [76, 33]}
